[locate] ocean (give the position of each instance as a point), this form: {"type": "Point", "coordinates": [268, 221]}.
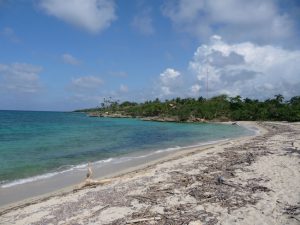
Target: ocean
{"type": "Point", "coordinates": [38, 145]}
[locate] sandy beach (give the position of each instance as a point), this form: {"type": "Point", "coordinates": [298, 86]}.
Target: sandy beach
{"type": "Point", "coordinates": [250, 180]}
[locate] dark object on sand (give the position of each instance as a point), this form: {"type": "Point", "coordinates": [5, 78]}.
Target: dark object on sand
{"type": "Point", "coordinates": [220, 180]}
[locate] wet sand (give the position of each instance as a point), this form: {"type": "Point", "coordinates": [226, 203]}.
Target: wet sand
{"type": "Point", "coordinates": [251, 180]}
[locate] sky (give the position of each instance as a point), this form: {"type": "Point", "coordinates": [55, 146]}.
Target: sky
{"type": "Point", "coordinates": [65, 55]}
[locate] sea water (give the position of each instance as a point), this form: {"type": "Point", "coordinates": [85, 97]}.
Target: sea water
{"type": "Point", "coordinates": [42, 144]}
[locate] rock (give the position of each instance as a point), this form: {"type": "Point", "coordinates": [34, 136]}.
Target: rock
{"type": "Point", "coordinates": [220, 180]}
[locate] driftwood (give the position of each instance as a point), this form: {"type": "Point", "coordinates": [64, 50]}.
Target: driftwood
{"type": "Point", "coordinates": [91, 183]}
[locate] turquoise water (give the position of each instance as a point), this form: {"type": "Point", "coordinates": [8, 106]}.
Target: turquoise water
{"type": "Point", "coordinates": [35, 143]}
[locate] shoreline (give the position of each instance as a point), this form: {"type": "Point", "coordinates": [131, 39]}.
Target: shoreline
{"type": "Point", "coordinates": [115, 160]}
{"type": "Point", "coordinates": [250, 180]}
{"type": "Point", "coordinates": [139, 162]}
{"type": "Point", "coordinates": [142, 151]}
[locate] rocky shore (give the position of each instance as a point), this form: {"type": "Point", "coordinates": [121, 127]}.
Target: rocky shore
{"type": "Point", "coordinates": [150, 118]}
{"type": "Point", "coordinates": [114, 115]}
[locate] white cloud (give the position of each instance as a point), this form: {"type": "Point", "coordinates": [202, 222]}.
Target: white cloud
{"type": "Point", "coordinates": [69, 59]}
{"type": "Point", "coordinates": [195, 89]}
{"type": "Point", "coordinates": [143, 22]}
{"type": "Point", "coordinates": [87, 83]}
{"type": "Point", "coordinates": [166, 91]}
{"type": "Point", "coordinates": [123, 88]}
{"type": "Point", "coordinates": [20, 78]}
{"type": "Point", "coordinates": [247, 69]}
{"type": "Point", "coordinates": [235, 20]}
{"type": "Point", "coordinates": [91, 15]}
{"type": "Point", "coordinates": [183, 10]}
{"type": "Point", "coordinates": [169, 75]}
{"type": "Point", "coordinates": [169, 82]}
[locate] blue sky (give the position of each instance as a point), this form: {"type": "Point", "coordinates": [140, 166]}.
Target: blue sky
{"type": "Point", "coordinates": [64, 55]}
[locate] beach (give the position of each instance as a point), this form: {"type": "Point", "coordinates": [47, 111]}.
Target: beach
{"type": "Point", "coordinates": [248, 180]}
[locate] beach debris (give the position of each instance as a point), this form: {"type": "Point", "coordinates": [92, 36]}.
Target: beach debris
{"type": "Point", "coordinates": [260, 188]}
{"type": "Point", "coordinates": [250, 158]}
{"type": "Point", "coordinates": [210, 185]}
{"type": "Point", "coordinates": [91, 183]}
{"type": "Point", "coordinates": [292, 151]}
{"type": "Point", "coordinates": [293, 211]}
{"type": "Point", "coordinates": [143, 220]}
{"type": "Point", "coordinates": [100, 210]}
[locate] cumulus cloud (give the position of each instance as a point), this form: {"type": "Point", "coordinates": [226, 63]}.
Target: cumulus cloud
{"type": "Point", "coordinates": [20, 78]}
{"type": "Point", "coordinates": [236, 20]}
{"type": "Point", "coordinates": [169, 75]}
{"type": "Point", "coordinates": [91, 15]}
{"type": "Point", "coordinates": [69, 59]}
{"type": "Point", "coordinates": [246, 69]}
{"type": "Point", "coordinates": [195, 89]}
{"type": "Point", "coordinates": [143, 22]}
{"type": "Point", "coordinates": [169, 81]}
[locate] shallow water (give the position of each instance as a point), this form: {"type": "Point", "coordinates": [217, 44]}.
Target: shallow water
{"type": "Point", "coordinates": [41, 144]}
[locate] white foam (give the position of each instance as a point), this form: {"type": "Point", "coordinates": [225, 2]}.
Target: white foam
{"type": "Point", "coordinates": [104, 161]}
{"type": "Point", "coordinates": [169, 149]}
{"type": "Point", "coordinates": [79, 167]}
{"type": "Point", "coordinates": [176, 148]}
{"type": "Point", "coordinates": [28, 180]}
{"type": "Point", "coordinates": [100, 163]}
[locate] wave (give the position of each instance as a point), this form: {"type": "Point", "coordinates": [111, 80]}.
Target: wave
{"type": "Point", "coordinates": [60, 170]}
{"type": "Point", "coordinates": [100, 163]}
{"type": "Point", "coordinates": [30, 179]}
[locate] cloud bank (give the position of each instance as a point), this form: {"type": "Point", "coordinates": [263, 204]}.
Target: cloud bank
{"type": "Point", "coordinates": [235, 20]}
{"type": "Point", "coordinates": [246, 69]}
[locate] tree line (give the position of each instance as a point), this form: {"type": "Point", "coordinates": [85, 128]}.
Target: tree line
{"type": "Point", "coordinates": [221, 108]}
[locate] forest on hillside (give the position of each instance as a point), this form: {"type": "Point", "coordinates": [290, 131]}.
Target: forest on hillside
{"type": "Point", "coordinates": [220, 108]}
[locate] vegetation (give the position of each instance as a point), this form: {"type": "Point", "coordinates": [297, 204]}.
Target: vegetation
{"type": "Point", "coordinates": [221, 108]}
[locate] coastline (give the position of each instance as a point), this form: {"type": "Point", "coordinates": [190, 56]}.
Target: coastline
{"type": "Point", "coordinates": [25, 190]}
{"type": "Point", "coordinates": [154, 170]}
{"type": "Point", "coordinates": [52, 182]}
